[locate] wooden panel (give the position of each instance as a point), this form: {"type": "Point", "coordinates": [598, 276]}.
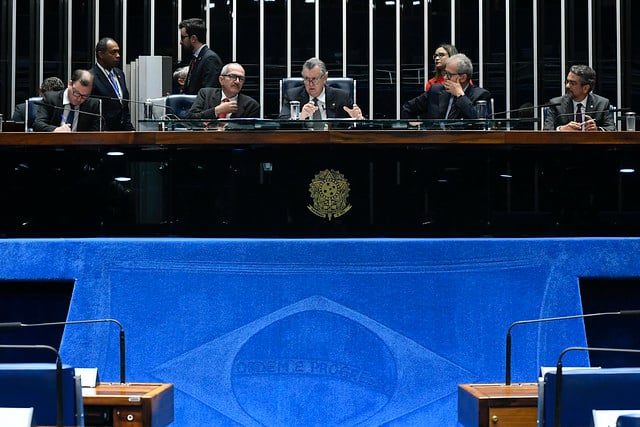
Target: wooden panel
{"type": "Point", "coordinates": [486, 405]}
{"type": "Point", "coordinates": [513, 417]}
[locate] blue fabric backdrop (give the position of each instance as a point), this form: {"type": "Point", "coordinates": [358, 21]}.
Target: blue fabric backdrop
{"type": "Point", "coordinates": [320, 332]}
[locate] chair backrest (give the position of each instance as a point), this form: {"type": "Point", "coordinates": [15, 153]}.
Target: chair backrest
{"type": "Point", "coordinates": [31, 108]}
{"type": "Point", "coordinates": [179, 104]}
{"type": "Point", "coordinates": [344, 83]}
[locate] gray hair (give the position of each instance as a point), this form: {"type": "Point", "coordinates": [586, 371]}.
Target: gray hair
{"type": "Point", "coordinates": [315, 62]}
{"type": "Point", "coordinates": [587, 74]}
{"type": "Point", "coordinates": [464, 65]}
{"type": "Point", "coordinates": [225, 69]}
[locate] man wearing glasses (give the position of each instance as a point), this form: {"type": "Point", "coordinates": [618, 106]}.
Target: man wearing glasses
{"type": "Point", "coordinates": [317, 100]}
{"type": "Point", "coordinates": [69, 109]}
{"type": "Point", "coordinates": [454, 99]}
{"type": "Point", "coordinates": [226, 101]}
{"type": "Point", "coordinates": [579, 109]}
{"type": "Point", "coordinates": [204, 64]}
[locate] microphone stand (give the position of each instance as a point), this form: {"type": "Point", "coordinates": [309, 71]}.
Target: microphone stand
{"type": "Point", "coordinates": [557, 405]}
{"type": "Point", "coordinates": [77, 322]}
{"type": "Point", "coordinates": [507, 379]}
{"type": "Point", "coordinates": [101, 117]}
{"type": "Point", "coordinates": [59, 390]}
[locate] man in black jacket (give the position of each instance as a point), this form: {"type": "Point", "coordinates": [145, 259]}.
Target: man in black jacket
{"type": "Point", "coordinates": [317, 100]}
{"type": "Point", "coordinates": [454, 99]}
{"type": "Point", "coordinates": [109, 84]}
{"type": "Point", "coordinates": [225, 102]}
{"type": "Point", "coordinates": [70, 109]}
{"type": "Point", "coordinates": [205, 64]}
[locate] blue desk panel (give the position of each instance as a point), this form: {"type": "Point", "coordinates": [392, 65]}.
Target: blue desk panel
{"type": "Point", "coordinates": [321, 332]}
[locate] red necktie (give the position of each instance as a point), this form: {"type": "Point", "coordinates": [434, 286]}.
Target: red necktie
{"type": "Point", "coordinates": [223, 115]}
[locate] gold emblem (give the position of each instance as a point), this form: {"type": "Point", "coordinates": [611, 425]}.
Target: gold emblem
{"type": "Point", "coordinates": [329, 190]}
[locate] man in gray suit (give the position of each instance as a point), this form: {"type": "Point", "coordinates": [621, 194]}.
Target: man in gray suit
{"type": "Point", "coordinates": [579, 109]}
{"type": "Point", "coordinates": [226, 101]}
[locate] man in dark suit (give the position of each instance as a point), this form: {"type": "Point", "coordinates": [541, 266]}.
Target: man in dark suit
{"type": "Point", "coordinates": [226, 101]}
{"type": "Point", "coordinates": [579, 109]}
{"type": "Point", "coordinates": [205, 64]}
{"type": "Point", "coordinates": [454, 99]}
{"type": "Point", "coordinates": [50, 83]}
{"type": "Point", "coordinates": [317, 100]}
{"type": "Point", "coordinates": [109, 84]}
{"type": "Point", "coordinates": [70, 109]}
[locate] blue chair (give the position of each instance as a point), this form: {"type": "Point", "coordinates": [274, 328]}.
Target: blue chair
{"type": "Point", "coordinates": [31, 108]}
{"type": "Point", "coordinates": [344, 83]}
{"type": "Point", "coordinates": [179, 104]}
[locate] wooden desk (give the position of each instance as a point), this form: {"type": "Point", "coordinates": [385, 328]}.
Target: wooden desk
{"type": "Point", "coordinates": [130, 405]}
{"type": "Point", "coordinates": [485, 405]}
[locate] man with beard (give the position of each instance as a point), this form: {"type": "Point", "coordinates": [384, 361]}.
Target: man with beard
{"type": "Point", "coordinates": [205, 64]}
{"type": "Point", "coordinates": [579, 109]}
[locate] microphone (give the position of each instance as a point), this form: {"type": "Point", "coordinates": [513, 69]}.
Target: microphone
{"type": "Point", "coordinates": [59, 389]}
{"type": "Point", "coordinates": [559, 372]}
{"type": "Point", "coordinates": [88, 113]}
{"type": "Point", "coordinates": [145, 103]}
{"type": "Point", "coordinates": [533, 107]}
{"type": "Point", "coordinates": [507, 378]}
{"type": "Point", "coordinates": [13, 325]}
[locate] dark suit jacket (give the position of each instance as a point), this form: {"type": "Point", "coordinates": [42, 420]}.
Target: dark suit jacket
{"type": "Point", "coordinates": [50, 113]}
{"type": "Point", "coordinates": [433, 104]}
{"type": "Point", "coordinates": [597, 107]}
{"type": "Point", "coordinates": [18, 113]}
{"type": "Point", "coordinates": [209, 98]}
{"type": "Point", "coordinates": [335, 99]}
{"type": "Point", "coordinates": [117, 115]}
{"type": "Point", "coordinates": [205, 72]}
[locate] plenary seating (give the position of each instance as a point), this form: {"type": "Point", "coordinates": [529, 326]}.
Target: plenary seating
{"type": "Point", "coordinates": [31, 109]}
{"type": "Point", "coordinates": [179, 104]}
{"type": "Point", "coordinates": [344, 83]}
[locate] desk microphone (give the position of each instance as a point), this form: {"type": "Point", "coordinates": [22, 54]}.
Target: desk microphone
{"type": "Point", "coordinates": [59, 390]}
{"type": "Point", "coordinates": [533, 107]}
{"type": "Point", "coordinates": [507, 378]}
{"type": "Point", "coordinates": [88, 113]}
{"type": "Point", "coordinates": [13, 325]}
{"type": "Point", "coordinates": [556, 411]}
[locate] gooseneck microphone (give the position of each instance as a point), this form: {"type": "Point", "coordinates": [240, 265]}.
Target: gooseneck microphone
{"type": "Point", "coordinates": [13, 325]}
{"type": "Point", "coordinates": [59, 389]}
{"type": "Point", "coordinates": [532, 107]}
{"type": "Point", "coordinates": [557, 405]}
{"type": "Point", "coordinates": [507, 378]}
{"type": "Point", "coordinates": [133, 101]}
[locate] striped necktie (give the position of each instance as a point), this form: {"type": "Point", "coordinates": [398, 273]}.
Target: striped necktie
{"type": "Point", "coordinates": [114, 83]}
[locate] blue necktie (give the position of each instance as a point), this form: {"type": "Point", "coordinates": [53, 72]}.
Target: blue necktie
{"type": "Point", "coordinates": [71, 115]}
{"type": "Point", "coordinates": [112, 78]}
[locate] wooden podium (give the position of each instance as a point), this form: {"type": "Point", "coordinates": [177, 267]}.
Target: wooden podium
{"type": "Point", "coordinates": [128, 405]}
{"type": "Point", "coordinates": [492, 405]}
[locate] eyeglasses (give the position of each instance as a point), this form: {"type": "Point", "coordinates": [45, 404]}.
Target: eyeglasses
{"type": "Point", "coordinates": [78, 94]}
{"type": "Point", "coordinates": [439, 55]}
{"type": "Point", "coordinates": [313, 80]}
{"type": "Point", "coordinates": [234, 77]}
{"type": "Point", "coordinates": [448, 75]}
{"type": "Point", "coordinates": [573, 83]}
